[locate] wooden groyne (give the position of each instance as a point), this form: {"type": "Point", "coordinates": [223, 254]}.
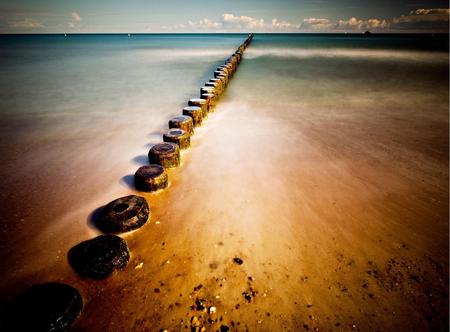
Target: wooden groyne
{"type": "Point", "coordinates": [53, 306]}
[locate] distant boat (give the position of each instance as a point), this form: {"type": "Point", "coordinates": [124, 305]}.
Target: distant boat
{"type": "Point", "coordinates": [65, 35]}
{"type": "Point", "coordinates": [129, 35]}
{"type": "Point", "coordinates": [367, 32]}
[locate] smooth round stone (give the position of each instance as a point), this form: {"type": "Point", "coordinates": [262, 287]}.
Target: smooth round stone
{"type": "Point", "coordinates": [200, 103]}
{"type": "Point", "coordinates": [124, 214]}
{"type": "Point", "coordinates": [183, 122]}
{"type": "Point", "coordinates": [165, 154]}
{"type": "Point", "coordinates": [51, 306]}
{"type": "Point", "coordinates": [178, 136]}
{"type": "Point", "coordinates": [195, 113]}
{"type": "Point", "coordinates": [151, 178]}
{"type": "Point", "coordinates": [211, 98]}
{"type": "Point", "coordinates": [99, 257]}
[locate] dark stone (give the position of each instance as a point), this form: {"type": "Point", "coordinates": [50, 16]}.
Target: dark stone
{"type": "Point", "coordinates": [200, 304]}
{"type": "Point", "coordinates": [224, 328]}
{"type": "Point", "coordinates": [151, 178]}
{"type": "Point", "coordinates": [238, 261]}
{"type": "Point", "coordinates": [48, 307]}
{"type": "Point", "coordinates": [165, 154]}
{"type": "Point", "coordinates": [196, 288]}
{"type": "Point", "coordinates": [124, 214]}
{"type": "Point", "coordinates": [99, 257]}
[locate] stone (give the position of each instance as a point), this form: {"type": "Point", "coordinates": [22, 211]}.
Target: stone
{"type": "Point", "coordinates": [124, 214]}
{"type": "Point", "coordinates": [50, 306]}
{"type": "Point", "coordinates": [99, 257]}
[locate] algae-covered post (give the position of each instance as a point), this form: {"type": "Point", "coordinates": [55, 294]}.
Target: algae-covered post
{"type": "Point", "coordinates": [183, 122]}
{"type": "Point", "coordinates": [151, 178]}
{"type": "Point", "coordinates": [178, 136]}
{"type": "Point", "coordinates": [211, 98]}
{"type": "Point", "coordinates": [196, 113]}
{"type": "Point", "coordinates": [165, 154]}
{"type": "Point", "coordinates": [200, 103]}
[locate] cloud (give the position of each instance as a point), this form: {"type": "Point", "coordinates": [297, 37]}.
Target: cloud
{"type": "Point", "coordinates": [284, 26]}
{"type": "Point", "coordinates": [432, 11]}
{"type": "Point", "coordinates": [425, 20]}
{"type": "Point", "coordinates": [205, 24]}
{"type": "Point", "coordinates": [27, 23]}
{"type": "Point", "coordinates": [231, 22]}
{"type": "Point", "coordinates": [428, 19]}
{"type": "Point", "coordinates": [76, 19]}
{"type": "Point", "coordinates": [354, 23]}
{"type": "Point", "coordinates": [313, 23]}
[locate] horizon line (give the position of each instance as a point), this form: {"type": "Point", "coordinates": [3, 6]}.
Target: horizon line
{"type": "Point", "coordinates": [223, 33]}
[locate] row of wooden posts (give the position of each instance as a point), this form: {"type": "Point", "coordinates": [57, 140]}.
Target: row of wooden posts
{"type": "Point", "coordinates": [54, 306]}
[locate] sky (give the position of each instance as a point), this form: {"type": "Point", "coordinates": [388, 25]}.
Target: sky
{"type": "Point", "coordinates": [147, 16]}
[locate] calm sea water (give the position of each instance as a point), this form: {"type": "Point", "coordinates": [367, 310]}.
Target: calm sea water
{"type": "Point", "coordinates": [49, 75]}
{"type": "Point", "coordinates": [78, 104]}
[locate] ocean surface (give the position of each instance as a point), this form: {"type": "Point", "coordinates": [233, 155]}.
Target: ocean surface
{"type": "Point", "coordinates": [330, 133]}
{"type": "Point", "coordinates": [56, 75]}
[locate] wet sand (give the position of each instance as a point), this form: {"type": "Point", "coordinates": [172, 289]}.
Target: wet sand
{"type": "Point", "coordinates": [340, 217]}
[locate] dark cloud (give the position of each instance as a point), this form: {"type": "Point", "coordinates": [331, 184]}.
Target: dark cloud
{"type": "Point", "coordinates": [424, 19]}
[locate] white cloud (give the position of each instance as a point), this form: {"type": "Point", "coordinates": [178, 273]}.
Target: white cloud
{"type": "Point", "coordinates": [76, 19]}
{"type": "Point", "coordinates": [284, 26]}
{"type": "Point", "coordinates": [27, 23]}
{"type": "Point", "coordinates": [205, 24]}
{"type": "Point", "coordinates": [231, 22]}
{"type": "Point", "coordinates": [417, 20]}
{"type": "Point", "coordinates": [313, 23]}
{"type": "Point", "coordinates": [354, 23]}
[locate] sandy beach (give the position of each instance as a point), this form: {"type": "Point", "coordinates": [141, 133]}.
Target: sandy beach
{"type": "Point", "coordinates": [338, 208]}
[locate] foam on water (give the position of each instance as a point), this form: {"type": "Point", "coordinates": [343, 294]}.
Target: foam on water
{"type": "Point", "coordinates": [371, 54]}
